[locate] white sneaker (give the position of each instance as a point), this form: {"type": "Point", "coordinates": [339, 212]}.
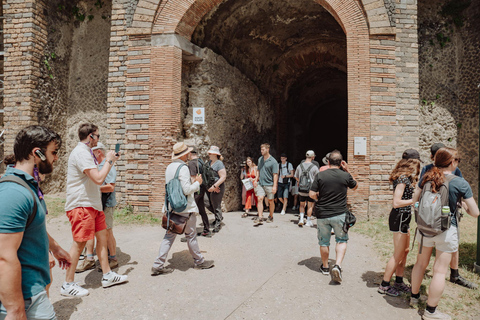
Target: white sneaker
{"type": "Point", "coordinates": [283, 212]}
{"type": "Point", "coordinates": [73, 290]}
{"type": "Point", "coordinates": [300, 223]}
{"type": "Point", "coordinates": [436, 315]}
{"type": "Point", "coordinates": [309, 223]}
{"type": "Point", "coordinates": [113, 279]}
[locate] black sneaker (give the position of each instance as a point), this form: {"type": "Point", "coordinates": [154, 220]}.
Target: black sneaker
{"type": "Point", "coordinates": [217, 228]}
{"type": "Point", "coordinates": [325, 271]}
{"type": "Point", "coordinates": [205, 233]}
{"type": "Point", "coordinates": [463, 282]}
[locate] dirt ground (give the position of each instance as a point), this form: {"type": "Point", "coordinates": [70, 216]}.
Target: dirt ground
{"type": "Point", "coordinates": [267, 272]}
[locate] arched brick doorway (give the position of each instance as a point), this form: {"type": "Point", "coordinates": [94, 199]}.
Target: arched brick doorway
{"type": "Point", "coordinates": [164, 31]}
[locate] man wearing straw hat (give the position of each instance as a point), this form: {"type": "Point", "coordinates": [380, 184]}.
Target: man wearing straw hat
{"type": "Point", "coordinates": [180, 156]}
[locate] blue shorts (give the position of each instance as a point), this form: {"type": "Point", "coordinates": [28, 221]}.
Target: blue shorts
{"type": "Point", "coordinates": [282, 191]}
{"type": "Point", "coordinates": [37, 307]}
{"type": "Point", "coordinates": [324, 230]}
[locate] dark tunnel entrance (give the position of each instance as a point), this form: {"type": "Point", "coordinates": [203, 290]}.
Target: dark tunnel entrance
{"type": "Point", "coordinates": [295, 53]}
{"type": "Point", "coordinates": [317, 110]}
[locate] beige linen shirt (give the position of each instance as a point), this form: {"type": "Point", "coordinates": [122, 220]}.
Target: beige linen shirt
{"type": "Point", "coordinates": [188, 187]}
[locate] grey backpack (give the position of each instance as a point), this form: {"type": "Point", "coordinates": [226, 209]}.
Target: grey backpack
{"type": "Point", "coordinates": [304, 182]}
{"type": "Point", "coordinates": [429, 217]}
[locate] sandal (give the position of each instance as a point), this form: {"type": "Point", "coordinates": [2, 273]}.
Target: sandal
{"type": "Point", "coordinates": [244, 215]}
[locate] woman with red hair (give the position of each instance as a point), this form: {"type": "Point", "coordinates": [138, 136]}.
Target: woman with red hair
{"type": "Point", "coordinates": [446, 243]}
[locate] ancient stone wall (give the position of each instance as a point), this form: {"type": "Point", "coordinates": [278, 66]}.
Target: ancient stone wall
{"type": "Point", "coordinates": [238, 117]}
{"type": "Point", "coordinates": [449, 76]}
{"type": "Point", "coordinates": [73, 81]}
{"type": "Point", "coordinates": [24, 39]}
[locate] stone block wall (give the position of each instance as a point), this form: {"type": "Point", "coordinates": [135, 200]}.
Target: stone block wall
{"type": "Point", "coordinates": [383, 119]}
{"type": "Point", "coordinates": [449, 77]}
{"type": "Point", "coordinates": [407, 83]}
{"type": "Point", "coordinates": [238, 117]}
{"type": "Point", "coordinates": [25, 36]}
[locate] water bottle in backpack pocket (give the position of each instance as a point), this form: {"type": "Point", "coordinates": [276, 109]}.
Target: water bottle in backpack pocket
{"type": "Point", "coordinates": [433, 216]}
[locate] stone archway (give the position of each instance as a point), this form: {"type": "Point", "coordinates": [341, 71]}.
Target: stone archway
{"type": "Point", "coordinates": [159, 36]}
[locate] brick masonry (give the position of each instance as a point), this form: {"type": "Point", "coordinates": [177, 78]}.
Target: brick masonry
{"type": "Point", "coordinates": [25, 36]}
{"type": "Point", "coordinates": [144, 87]}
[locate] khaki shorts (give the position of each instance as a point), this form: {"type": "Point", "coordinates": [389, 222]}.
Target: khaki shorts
{"type": "Point", "coordinates": [262, 191]}
{"type": "Point", "coordinates": [109, 216]}
{"type": "Point", "coordinates": [446, 241]}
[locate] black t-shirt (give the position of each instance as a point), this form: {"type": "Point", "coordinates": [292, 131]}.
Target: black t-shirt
{"type": "Point", "coordinates": [195, 165]}
{"type": "Point", "coordinates": [332, 186]}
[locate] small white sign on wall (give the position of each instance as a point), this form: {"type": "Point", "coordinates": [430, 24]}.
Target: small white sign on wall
{"type": "Point", "coordinates": [360, 146]}
{"type": "Point", "coordinates": [198, 115]}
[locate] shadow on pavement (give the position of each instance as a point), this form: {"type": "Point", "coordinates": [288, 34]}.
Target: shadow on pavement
{"type": "Point", "coordinates": [66, 307]}
{"type": "Point", "coordinates": [314, 263]}
{"type": "Point", "coordinates": [374, 279]}
{"type": "Point", "coordinates": [181, 261]}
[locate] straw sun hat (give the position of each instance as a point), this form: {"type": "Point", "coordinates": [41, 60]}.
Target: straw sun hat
{"type": "Point", "coordinates": [180, 149]}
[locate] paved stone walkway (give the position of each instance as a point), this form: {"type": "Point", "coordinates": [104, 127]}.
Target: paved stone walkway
{"type": "Point", "coordinates": [268, 272]}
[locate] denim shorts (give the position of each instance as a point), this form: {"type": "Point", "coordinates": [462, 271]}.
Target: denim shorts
{"type": "Point", "coordinates": [324, 230]}
{"type": "Point", "coordinates": [37, 307]}
{"type": "Point", "coordinates": [283, 190]}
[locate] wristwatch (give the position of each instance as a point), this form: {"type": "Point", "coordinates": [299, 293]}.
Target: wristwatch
{"type": "Point", "coordinates": [111, 162]}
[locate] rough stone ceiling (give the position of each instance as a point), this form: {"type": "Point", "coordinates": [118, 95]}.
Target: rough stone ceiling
{"type": "Point", "coordinates": [272, 42]}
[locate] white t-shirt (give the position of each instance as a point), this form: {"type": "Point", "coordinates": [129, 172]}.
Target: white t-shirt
{"type": "Point", "coordinates": [284, 170]}
{"type": "Point", "coordinates": [81, 190]}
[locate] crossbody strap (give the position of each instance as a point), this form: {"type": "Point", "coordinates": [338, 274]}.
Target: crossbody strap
{"type": "Point", "coordinates": [20, 181]}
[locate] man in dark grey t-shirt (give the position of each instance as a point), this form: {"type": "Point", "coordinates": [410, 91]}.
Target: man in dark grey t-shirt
{"type": "Point", "coordinates": [330, 188]}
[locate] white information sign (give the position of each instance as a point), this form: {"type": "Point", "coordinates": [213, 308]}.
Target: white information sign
{"type": "Point", "coordinates": [198, 115]}
{"type": "Point", "coordinates": [360, 146]}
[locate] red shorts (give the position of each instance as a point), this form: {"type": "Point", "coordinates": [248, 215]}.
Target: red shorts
{"type": "Point", "coordinates": [85, 222]}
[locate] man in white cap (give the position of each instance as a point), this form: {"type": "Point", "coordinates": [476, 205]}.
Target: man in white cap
{"type": "Point", "coordinates": [180, 156]}
{"type": "Point", "coordinates": [305, 174]}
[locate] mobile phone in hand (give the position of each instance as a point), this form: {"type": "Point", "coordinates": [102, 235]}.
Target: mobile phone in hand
{"type": "Point", "coordinates": [117, 149]}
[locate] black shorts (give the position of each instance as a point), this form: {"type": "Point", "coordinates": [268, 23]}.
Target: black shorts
{"type": "Point", "coordinates": [303, 199]}
{"type": "Point", "coordinates": [399, 221]}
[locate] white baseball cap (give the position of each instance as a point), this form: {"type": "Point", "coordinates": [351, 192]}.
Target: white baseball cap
{"type": "Point", "coordinates": [310, 153]}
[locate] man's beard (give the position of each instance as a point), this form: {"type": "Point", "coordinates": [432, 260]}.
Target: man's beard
{"type": "Point", "coordinates": [45, 167]}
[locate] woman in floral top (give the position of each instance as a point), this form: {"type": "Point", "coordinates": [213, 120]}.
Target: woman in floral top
{"type": "Point", "coordinates": [404, 177]}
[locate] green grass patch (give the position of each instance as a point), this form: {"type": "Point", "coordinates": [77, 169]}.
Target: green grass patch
{"type": "Point", "coordinates": [55, 206]}
{"type": "Point", "coordinates": [126, 215]}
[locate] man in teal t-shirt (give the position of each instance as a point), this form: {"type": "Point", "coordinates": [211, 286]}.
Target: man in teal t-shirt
{"type": "Point", "coordinates": [24, 271]}
{"type": "Point", "coordinates": [266, 183]}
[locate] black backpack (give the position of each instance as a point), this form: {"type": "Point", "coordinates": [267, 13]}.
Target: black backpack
{"type": "Point", "coordinates": [20, 181]}
{"type": "Point", "coordinates": [305, 182]}
{"type": "Point", "coordinates": [209, 175]}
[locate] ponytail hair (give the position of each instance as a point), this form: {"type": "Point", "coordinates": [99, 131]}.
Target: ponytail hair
{"type": "Point", "coordinates": [9, 160]}
{"type": "Point", "coordinates": [443, 159]}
